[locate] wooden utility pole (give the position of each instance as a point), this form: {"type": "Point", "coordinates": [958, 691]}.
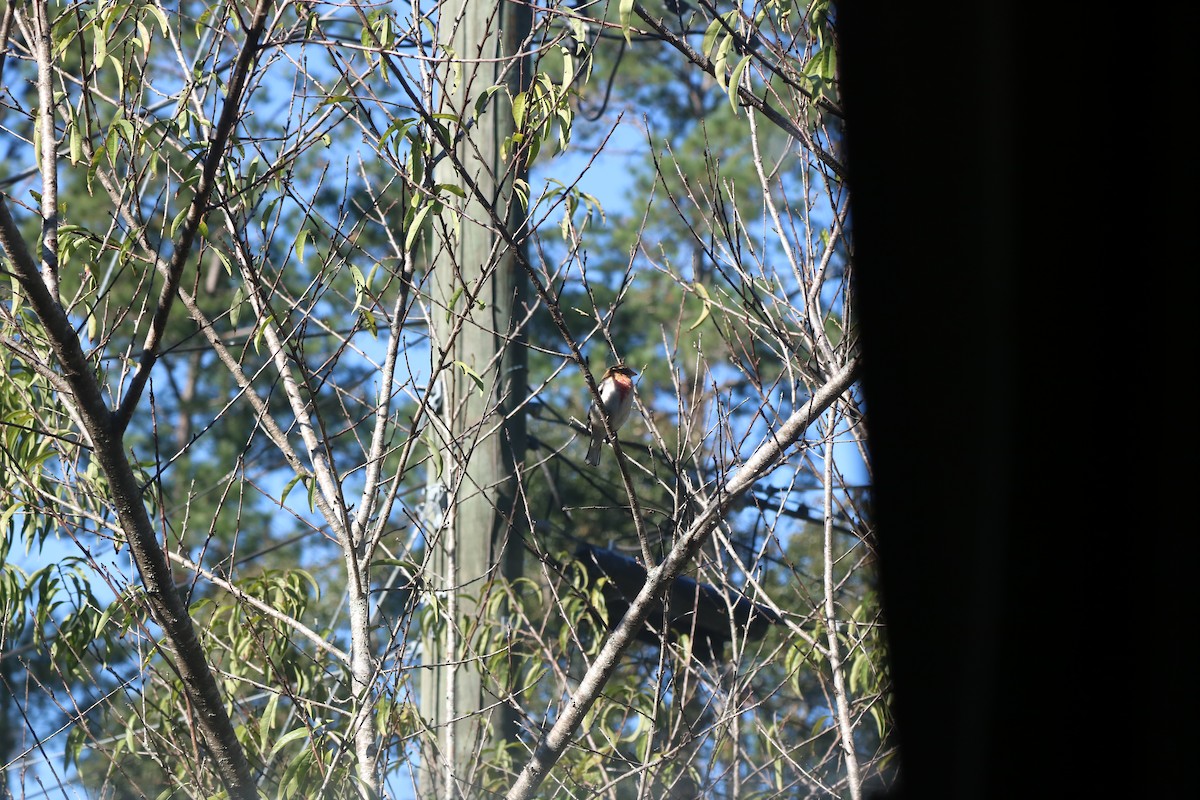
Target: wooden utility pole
{"type": "Point", "coordinates": [478, 292]}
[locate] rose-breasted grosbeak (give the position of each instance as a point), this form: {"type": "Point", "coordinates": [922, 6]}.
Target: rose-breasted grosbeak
{"type": "Point", "coordinates": [616, 396]}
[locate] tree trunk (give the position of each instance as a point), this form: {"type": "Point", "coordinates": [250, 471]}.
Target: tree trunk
{"type": "Point", "coordinates": [477, 281]}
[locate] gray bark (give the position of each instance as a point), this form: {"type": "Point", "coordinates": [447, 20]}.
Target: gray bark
{"type": "Point", "coordinates": [476, 280]}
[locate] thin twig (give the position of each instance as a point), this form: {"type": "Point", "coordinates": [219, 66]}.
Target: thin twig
{"type": "Point", "coordinates": [551, 746]}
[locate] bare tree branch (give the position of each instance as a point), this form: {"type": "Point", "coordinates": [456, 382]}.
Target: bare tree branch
{"type": "Point", "coordinates": [270, 611]}
{"type": "Point", "coordinates": [47, 145]}
{"type": "Point", "coordinates": [550, 748]}
{"type": "Point", "coordinates": [832, 629]}
{"type": "Point", "coordinates": [183, 648]}
{"type": "Point", "coordinates": [230, 113]}
{"type": "Point", "coordinates": [747, 97]}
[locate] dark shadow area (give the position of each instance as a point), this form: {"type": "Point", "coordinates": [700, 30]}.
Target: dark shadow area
{"type": "Point", "coordinates": [694, 609]}
{"type": "Point", "coordinates": [1020, 309]}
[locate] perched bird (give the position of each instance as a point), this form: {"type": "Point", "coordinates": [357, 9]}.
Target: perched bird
{"type": "Point", "coordinates": [616, 396]}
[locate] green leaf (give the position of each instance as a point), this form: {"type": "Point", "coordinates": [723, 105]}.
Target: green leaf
{"type": "Point", "coordinates": [721, 59]}
{"type": "Point", "coordinates": [453, 302]}
{"type": "Point", "coordinates": [202, 21]}
{"type": "Point", "coordinates": [518, 109]}
{"type": "Point", "coordinates": [625, 13]}
{"type": "Point", "coordinates": [100, 47]}
{"type": "Point", "coordinates": [235, 306]}
{"type": "Point", "coordinates": [482, 100]}
{"type": "Point", "coordinates": [568, 68]}
{"type": "Point", "coordinates": [735, 80]}
{"type": "Point", "coordinates": [268, 719]}
{"type": "Point", "coordinates": [418, 169]}
{"type": "Point", "coordinates": [703, 293]}
{"type": "Point", "coordinates": [175, 223]}
{"type": "Point", "coordinates": [301, 239]}
{"type": "Point", "coordinates": [287, 489]}
{"type": "Point", "coordinates": [76, 145]}
{"type": "Point", "coordinates": [288, 738]}
{"type": "Point", "coordinates": [144, 37]}
{"type": "Point", "coordinates": [225, 262]}
{"type": "Point", "coordinates": [158, 15]}
{"type": "Point", "coordinates": [259, 330]}
{"type": "Point", "coordinates": [396, 133]}
{"type": "Point", "coordinates": [414, 227]}
{"type": "Point", "coordinates": [565, 119]}
{"type": "Point", "coordinates": [472, 374]}
{"type": "Point", "coordinates": [823, 64]}
{"type": "Point", "coordinates": [710, 36]}
{"type": "Point", "coordinates": [369, 322]}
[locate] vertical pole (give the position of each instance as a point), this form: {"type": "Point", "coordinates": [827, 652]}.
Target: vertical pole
{"type": "Point", "coordinates": [478, 293]}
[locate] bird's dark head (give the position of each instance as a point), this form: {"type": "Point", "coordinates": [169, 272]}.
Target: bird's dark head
{"type": "Point", "coordinates": [619, 369]}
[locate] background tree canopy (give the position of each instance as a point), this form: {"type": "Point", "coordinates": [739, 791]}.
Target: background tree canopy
{"type": "Point", "coordinates": [303, 308]}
